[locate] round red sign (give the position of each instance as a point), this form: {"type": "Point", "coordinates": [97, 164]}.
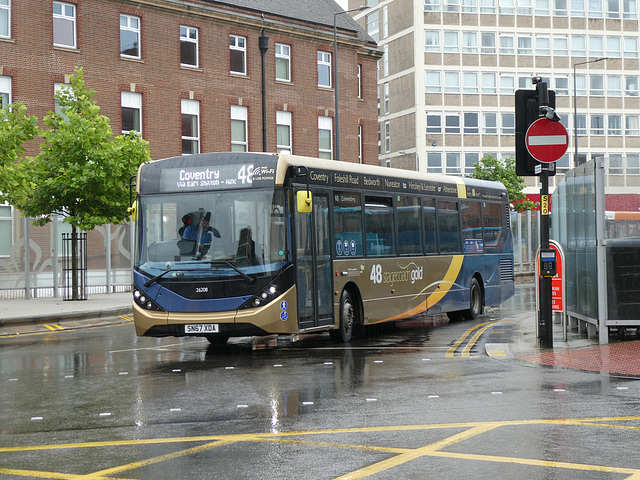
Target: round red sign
{"type": "Point", "coordinates": [546, 141]}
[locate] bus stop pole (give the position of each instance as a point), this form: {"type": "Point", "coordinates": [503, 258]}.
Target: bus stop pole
{"type": "Point", "coordinates": [546, 312]}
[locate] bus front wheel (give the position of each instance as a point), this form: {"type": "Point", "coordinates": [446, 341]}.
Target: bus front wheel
{"type": "Point", "coordinates": [475, 301]}
{"type": "Point", "coordinates": [348, 316]}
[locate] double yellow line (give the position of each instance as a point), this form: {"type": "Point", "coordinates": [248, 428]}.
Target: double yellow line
{"type": "Point", "coordinates": [474, 332]}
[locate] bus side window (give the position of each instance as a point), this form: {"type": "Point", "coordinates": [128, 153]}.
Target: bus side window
{"type": "Point", "coordinates": [448, 227]}
{"type": "Point", "coordinates": [347, 210]}
{"type": "Point", "coordinates": [409, 230]}
{"type": "Point", "coordinates": [493, 228]}
{"type": "Point", "coordinates": [379, 226]}
{"type": "Point", "coordinates": [429, 217]}
{"type": "Point", "coordinates": [471, 213]}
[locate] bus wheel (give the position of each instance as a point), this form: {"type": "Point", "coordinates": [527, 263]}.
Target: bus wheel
{"type": "Point", "coordinates": [475, 301]}
{"type": "Point", "coordinates": [348, 315]}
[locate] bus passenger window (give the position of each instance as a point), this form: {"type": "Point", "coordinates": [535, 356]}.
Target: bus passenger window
{"type": "Point", "coordinates": [472, 227]}
{"type": "Point", "coordinates": [379, 226]}
{"type": "Point", "coordinates": [493, 215]}
{"type": "Point", "coordinates": [409, 231]}
{"type": "Point", "coordinates": [347, 215]}
{"type": "Point", "coordinates": [448, 227]}
{"type": "Point", "coordinates": [429, 216]}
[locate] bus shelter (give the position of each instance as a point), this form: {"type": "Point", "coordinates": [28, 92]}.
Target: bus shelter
{"type": "Point", "coordinates": [602, 259]}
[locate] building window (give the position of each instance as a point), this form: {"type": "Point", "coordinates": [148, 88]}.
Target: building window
{"type": "Point", "coordinates": [508, 124]}
{"type": "Point", "coordinates": [432, 82]}
{"type": "Point", "coordinates": [578, 46]}
{"type": "Point", "coordinates": [434, 123]}
{"type": "Point", "coordinates": [359, 79]}
{"type": "Point", "coordinates": [631, 86]}
{"type": "Point", "coordinates": [239, 128]}
{"type": "Point", "coordinates": [431, 5]}
{"type": "Point", "coordinates": [5, 18]}
{"type": "Point", "coordinates": [237, 54]}
{"type": "Point", "coordinates": [64, 24]}
{"type": "Point", "coordinates": [597, 124]}
{"type": "Point", "coordinates": [614, 85]}
{"type": "Point", "coordinates": [451, 5]}
{"type": "Point", "coordinates": [507, 45]}
{"type": "Point", "coordinates": [452, 123]}
{"type": "Point", "coordinates": [451, 42]}
{"type": "Point", "coordinates": [324, 69]}
{"type": "Point", "coordinates": [283, 132]}
{"type": "Point", "coordinates": [613, 8]}
{"type": "Point", "coordinates": [434, 162]}
{"type": "Point", "coordinates": [487, 6]}
{"type": "Point", "coordinates": [542, 8]}
{"type": "Point", "coordinates": [385, 21]}
{"type": "Point", "coordinates": [581, 84]}
{"type": "Point", "coordinates": [507, 85]}
{"type": "Point", "coordinates": [131, 104]}
{"type": "Point", "coordinates": [385, 90]}
{"type": "Point", "coordinates": [596, 46]}
{"type": "Point", "coordinates": [387, 137]}
{"type": "Point", "coordinates": [360, 143]}
{"type": "Point", "coordinates": [5, 91]}
{"type": "Point", "coordinates": [325, 137]}
{"type": "Point", "coordinates": [630, 47]}
{"type": "Point", "coordinates": [543, 46]}
{"type": "Point", "coordinates": [491, 123]}
{"type": "Point", "coordinates": [452, 163]}
{"type": "Point", "coordinates": [373, 26]}
{"type": "Point", "coordinates": [560, 8]}
{"type": "Point", "coordinates": [577, 8]}
{"type": "Point", "coordinates": [560, 46]}
{"type": "Point", "coordinates": [595, 9]}
{"type": "Point", "coordinates": [614, 47]}
{"type": "Point", "coordinates": [190, 126]}
{"type": "Point", "coordinates": [6, 229]}
{"type": "Point", "coordinates": [469, 42]}
{"type": "Point", "coordinates": [61, 89]}
{"type": "Point", "coordinates": [581, 124]}
{"type": "Point", "coordinates": [596, 85]}
{"type": "Point", "coordinates": [633, 164]}
{"type": "Point", "coordinates": [470, 161]}
{"type": "Point", "coordinates": [524, 46]}
{"type": "Point", "coordinates": [470, 6]}
{"type": "Point", "coordinates": [629, 9]}
{"type": "Point", "coordinates": [471, 123]}
{"type": "Point", "coordinates": [451, 82]}
{"type": "Point", "coordinates": [562, 85]}
{"type": "Point", "coordinates": [283, 62]}
{"type": "Point", "coordinates": [632, 125]}
{"type": "Point", "coordinates": [385, 60]}
{"type": "Point", "coordinates": [188, 46]}
{"type": "Point", "coordinates": [615, 124]}
{"type": "Point", "coordinates": [488, 43]}
{"type": "Point", "coordinates": [470, 82]}
{"type": "Point", "coordinates": [432, 41]}
{"type": "Point", "coordinates": [130, 36]}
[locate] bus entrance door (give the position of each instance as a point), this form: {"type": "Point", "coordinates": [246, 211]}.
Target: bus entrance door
{"type": "Point", "coordinates": [313, 259]}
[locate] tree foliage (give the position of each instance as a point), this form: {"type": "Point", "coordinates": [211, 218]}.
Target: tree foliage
{"type": "Point", "coordinates": [491, 168]}
{"type": "Point", "coordinates": [82, 170]}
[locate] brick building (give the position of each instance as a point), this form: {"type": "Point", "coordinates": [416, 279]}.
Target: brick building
{"type": "Point", "coordinates": [188, 75]}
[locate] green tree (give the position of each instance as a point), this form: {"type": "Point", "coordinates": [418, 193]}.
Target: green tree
{"type": "Point", "coordinates": [82, 171]}
{"type": "Point", "coordinates": [490, 168]}
{"type": "Point", "coordinates": [16, 128]}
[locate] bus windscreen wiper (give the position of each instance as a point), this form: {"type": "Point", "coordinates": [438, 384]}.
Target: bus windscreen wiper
{"type": "Point", "coordinates": [240, 272]}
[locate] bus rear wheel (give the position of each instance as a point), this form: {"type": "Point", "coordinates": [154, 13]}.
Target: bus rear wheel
{"type": "Point", "coordinates": [475, 301]}
{"type": "Point", "coordinates": [348, 318]}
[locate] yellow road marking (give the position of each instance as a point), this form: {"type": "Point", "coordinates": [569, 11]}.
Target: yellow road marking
{"type": "Point", "coordinates": [54, 327]}
{"type": "Point", "coordinates": [402, 455]}
{"type": "Point", "coordinates": [450, 353]}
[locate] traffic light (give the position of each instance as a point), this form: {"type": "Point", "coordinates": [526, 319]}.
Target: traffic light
{"type": "Point", "coordinates": [528, 110]}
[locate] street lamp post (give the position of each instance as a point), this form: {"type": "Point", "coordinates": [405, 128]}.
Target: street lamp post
{"type": "Point", "coordinates": [575, 107]}
{"type": "Point", "coordinates": [335, 73]}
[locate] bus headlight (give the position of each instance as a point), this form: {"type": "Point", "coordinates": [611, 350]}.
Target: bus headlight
{"type": "Point", "coordinates": [262, 298]}
{"type": "Point", "coordinates": [143, 302]}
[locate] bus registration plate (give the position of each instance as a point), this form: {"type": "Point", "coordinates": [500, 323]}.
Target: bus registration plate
{"type": "Point", "coordinates": [201, 328]}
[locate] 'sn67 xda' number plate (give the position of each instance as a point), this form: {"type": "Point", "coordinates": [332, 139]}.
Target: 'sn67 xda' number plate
{"type": "Point", "coordinates": [201, 328]}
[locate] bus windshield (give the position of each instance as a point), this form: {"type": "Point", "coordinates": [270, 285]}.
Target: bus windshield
{"type": "Point", "coordinates": [213, 234]}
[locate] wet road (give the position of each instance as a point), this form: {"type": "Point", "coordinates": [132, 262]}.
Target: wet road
{"type": "Point", "coordinates": [401, 403]}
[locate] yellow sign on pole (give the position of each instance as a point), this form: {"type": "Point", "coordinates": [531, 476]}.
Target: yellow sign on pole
{"type": "Point", "coordinates": [544, 204]}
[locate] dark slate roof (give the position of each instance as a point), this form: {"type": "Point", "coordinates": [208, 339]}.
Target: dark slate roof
{"type": "Point", "coordinates": [313, 11]}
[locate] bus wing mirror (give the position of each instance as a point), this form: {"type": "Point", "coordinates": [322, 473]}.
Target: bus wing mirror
{"type": "Point", "coordinates": [303, 200]}
{"type": "Point", "coordinates": [133, 211]}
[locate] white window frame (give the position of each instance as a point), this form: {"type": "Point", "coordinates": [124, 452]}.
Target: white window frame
{"type": "Point", "coordinates": [432, 120]}
{"type": "Point", "coordinates": [632, 125]}
{"type": "Point", "coordinates": [387, 137]}
{"type": "Point", "coordinates": [560, 46]}
{"type": "Point", "coordinates": [451, 41]}
{"type": "Point", "coordinates": [614, 86]}
{"type": "Point", "coordinates": [614, 124]}
{"type": "Point", "coordinates": [631, 85]}
{"type": "Point", "coordinates": [359, 80]}
{"type": "Point", "coordinates": [240, 116]}
{"type": "Point", "coordinates": [187, 38]}
{"type": "Point", "coordinates": [432, 41]}
{"type": "Point", "coordinates": [470, 42]}
{"type": "Point", "coordinates": [630, 47]}
{"type": "Point", "coordinates": [360, 143]}
{"type": "Point", "coordinates": [578, 46]}
{"type": "Point", "coordinates": [5, 16]}
{"type": "Point", "coordinates": [284, 120]}
{"type": "Point", "coordinates": [325, 124]}
{"type": "Point", "coordinates": [65, 17]}
{"type": "Point", "coordinates": [452, 123]}
{"type": "Point", "coordinates": [324, 65]}
{"type": "Point", "coordinates": [452, 82]}
{"type": "Point", "coordinates": [432, 83]}
{"type": "Point", "coordinates": [238, 43]}
{"type": "Point", "coordinates": [126, 27]}
{"type": "Point", "coordinates": [471, 123]}
{"type": "Point", "coordinates": [3, 220]}
{"type": "Point", "coordinates": [133, 101]}
{"type": "Point", "coordinates": [434, 162]}
{"type": "Point", "coordinates": [470, 82]}
{"type": "Point", "coordinates": [5, 91]}
{"type": "Point", "coordinates": [283, 57]}
{"type": "Point", "coordinates": [507, 45]}
{"type": "Point", "coordinates": [614, 46]}
{"type": "Point", "coordinates": [191, 108]}
{"type": "Point", "coordinates": [488, 43]}
{"type": "Point", "coordinates": [490, 127]}
{"type": "Point", "coordinates": [373, 25]}
{"type": "Point", "coordinates": [452, 163]}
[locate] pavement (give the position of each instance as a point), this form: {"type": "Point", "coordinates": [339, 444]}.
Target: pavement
{"type": "Point", "coordinates": [506, 339]}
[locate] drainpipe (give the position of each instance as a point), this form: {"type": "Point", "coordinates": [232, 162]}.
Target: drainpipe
{"type": "Point", "coordinates": [263, 43]}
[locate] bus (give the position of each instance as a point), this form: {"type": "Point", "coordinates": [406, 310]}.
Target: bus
{"type": "Point", "coordinates": [249, 244]}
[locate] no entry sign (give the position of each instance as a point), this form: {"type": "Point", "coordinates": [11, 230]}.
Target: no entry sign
{"type": "Point", "coordinates": [546, 141]}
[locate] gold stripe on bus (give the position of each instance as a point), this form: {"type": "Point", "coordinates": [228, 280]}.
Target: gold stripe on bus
{"type": "Point", "coordinates": [443, 287]}
{"type": "Point", "coordinates": [462, 189]}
